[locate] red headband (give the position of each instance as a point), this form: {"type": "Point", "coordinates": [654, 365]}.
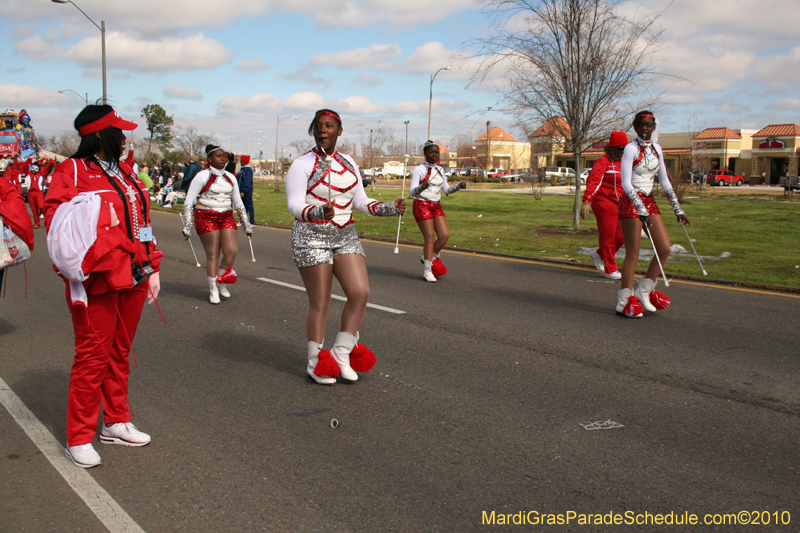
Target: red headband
{"type": "Point", "coordinates": [330, 114]}
{"type": "Point", "coordinates": [111, 119]}
{"type": "Point", "coordinates": [647, 115]}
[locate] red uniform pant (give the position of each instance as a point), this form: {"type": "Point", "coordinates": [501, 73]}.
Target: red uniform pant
{"type": "Point", "coordinates": [36, 200]}
{"type": "Point", "coordinates": [606, 211]}
{"type": "Point", "coordinates": [103, 335]}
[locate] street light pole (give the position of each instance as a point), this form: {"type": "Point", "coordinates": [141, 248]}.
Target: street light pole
{"type": "Point", "coordinates": [62, 91]}
{"type": "Point", "coordinates": [277, 129]}
{"type": "Point", "coordinates": [102, 29]}
{"type": "Point", "coordinates": [248, 142]}
{"type": "Point", "coordinates": [430, 99]}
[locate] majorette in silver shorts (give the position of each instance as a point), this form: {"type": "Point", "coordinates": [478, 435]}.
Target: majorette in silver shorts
{"type": "Point", "coordinates": [312, 243]}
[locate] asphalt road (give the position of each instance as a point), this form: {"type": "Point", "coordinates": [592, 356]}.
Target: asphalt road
{"type": "Point", "coordinates": [474, 405]}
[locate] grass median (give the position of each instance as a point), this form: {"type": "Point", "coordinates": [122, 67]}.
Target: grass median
{"type": "Point", "coordinates": [746, 241]}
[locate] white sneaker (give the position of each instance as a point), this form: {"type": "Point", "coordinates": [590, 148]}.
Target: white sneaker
{"type": "Point", "coordinates": [125, 434]}
{"type": "Point", "coordinates": [614, 275]}
{"type": "Point", "coordinates": [83, 456]}
{"type": "Point", "coordinates": [598, 261]}
{"type": "Point", "coordinates": [428, 276]}
{"type": "Point", "coordinates": [41, 216]}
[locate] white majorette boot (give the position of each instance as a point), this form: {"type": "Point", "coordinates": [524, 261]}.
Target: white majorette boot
{"type": "Point", "coordinates": [314, 350]}
{"type": "Point", "coordinates": [628, 305]}
{"type": "Point", "coordinates": [642, 293]}
{"type": "Point", "coordinates": [213, 289]}
{"type": "Point", "coordinates": [427, 273]}
{"type": "Point", "coordinates": [223, 290]}
{"type": "Point", "coordinates": [344, 344]}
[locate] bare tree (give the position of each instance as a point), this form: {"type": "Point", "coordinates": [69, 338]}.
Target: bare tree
{"type": "Point", "coordinates": [301, 146]}
{"type": "Point", "coordinates": [188, 140]}
{"type": "Point", "coordinates": [64, 143]}
{"type": "Point", "coordinates": [577, 59]}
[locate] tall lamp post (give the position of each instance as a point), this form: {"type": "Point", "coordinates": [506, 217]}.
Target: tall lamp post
{"type": "Point", "coordinates": [102, 28]}
{"type": "Point", "coordinates": [430, 99]}
{"type": "Point", "coordinates": [62, 91]}
{"type": "Point", "coordinates": [248, 141]}
{"type": "Point", "coordinates": [277, 129]}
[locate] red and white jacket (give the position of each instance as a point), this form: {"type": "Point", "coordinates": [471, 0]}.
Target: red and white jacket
{"type": "Point", "coordinates": [604, 181]}
{"type": "Point", "coordinates": [107, 261]}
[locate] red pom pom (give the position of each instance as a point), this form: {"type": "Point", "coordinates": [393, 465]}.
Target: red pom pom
{"type": "Point", "coordinates": [659, 301]}
{"type": "Point", "coordinates": [438, 268]}
{"type": "Point", "coordinates": [326, 366]}
{"type": "Point", "coordinates": [229, 277]}
{"type": "Point", "coordinates": [633, 308]}
{"type": "Point", "coordinates": [362, 359]}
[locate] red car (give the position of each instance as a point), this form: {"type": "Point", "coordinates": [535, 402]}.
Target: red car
{"type": "Point", "coordinates": [724, 177]}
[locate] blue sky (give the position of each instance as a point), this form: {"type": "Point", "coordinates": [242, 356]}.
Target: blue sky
{"type": "Point", "coordinates": [232, 67]}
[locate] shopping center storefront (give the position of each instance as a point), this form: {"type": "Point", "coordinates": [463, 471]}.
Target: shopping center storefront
{"type": "Point", "coordinates": [774, 153]}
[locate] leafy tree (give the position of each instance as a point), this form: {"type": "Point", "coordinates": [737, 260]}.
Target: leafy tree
{"type": "Point", "coordinates": [159, 124]}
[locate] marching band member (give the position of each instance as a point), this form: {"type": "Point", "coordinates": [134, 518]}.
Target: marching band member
{"type": "Point", "coordinates": [642, 161]}
{"type": "Point", "coordinates": [427, 183]}
{"type": "Point", "coordinates": [322, 188]}
{"type": "Point", "coordinates": [100, 239]}
{"type": "Point", "coordinates": [215, 193]}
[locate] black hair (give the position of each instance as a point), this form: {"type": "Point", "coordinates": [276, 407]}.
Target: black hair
{"type": "Point", "coordinates": [428, 144]}
{"type": "Point", "coordinates": [324, 111]}
{"type": "Point", "coordinates": [637, 120]}
{"type": "Point", "coordinates": [110, 140]}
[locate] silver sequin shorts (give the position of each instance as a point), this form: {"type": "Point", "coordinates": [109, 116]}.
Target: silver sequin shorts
{"type": "Point", "coordinates": [312, 244]}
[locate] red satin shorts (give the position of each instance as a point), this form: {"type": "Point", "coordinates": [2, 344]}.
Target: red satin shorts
{"type": "Point", "coordinates": [206, 220]}
{"type": "Point", "coordinates": [628, 210]}
{"type": "Point", "coordinates": [426, 210]}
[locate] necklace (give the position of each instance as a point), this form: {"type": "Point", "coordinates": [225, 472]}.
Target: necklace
{"type": "Point", "coordinates": [129, 192]}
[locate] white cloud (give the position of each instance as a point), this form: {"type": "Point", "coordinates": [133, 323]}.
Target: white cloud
{"type": "Point", "coordinates": [195, 52]}
{"type": "Point", "coordinates": [251, 64]}
{"type": "Point", "coordinates": [779, 71]}
{"type": "Point", "coordinates": [377, 56]}
{"type": "Point", "coordinates": [18, 96]}
{"type": "Point", "coordinates": [371, 80]}
{"type": "Point", "coordinates": [181, 92]}
{"type": "Point", "coordinates": [266, 104]}
{"type": "Point", "coordinates": [786, 104]}
{"type": "Point", "coordinates": [153, 17]}
{"type": "Point", "coordinates": [37, 49]}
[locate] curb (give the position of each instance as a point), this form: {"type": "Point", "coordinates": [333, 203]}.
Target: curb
{"type": "Point", "coordinates": [573, 263]}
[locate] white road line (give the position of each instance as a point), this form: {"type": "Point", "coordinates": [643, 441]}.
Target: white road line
{"type": "Point", "coordinates": [96, 498]}
{"type": "Point", "coordinates": [334, 296]}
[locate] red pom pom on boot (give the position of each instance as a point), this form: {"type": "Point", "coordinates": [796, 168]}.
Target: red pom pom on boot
{"type": "Point", "coordinates": [326, 367]}
{"type": "Point", "coordinates": [628, 305]}
{"type": "Point", "coordinates": [659, 300]}
{"type": "Point", "coordinates": [229, 277]}
{"type": "Point", "coordinates": [362, 359]}
{"type": "Point", "coordinates": [438, 268]}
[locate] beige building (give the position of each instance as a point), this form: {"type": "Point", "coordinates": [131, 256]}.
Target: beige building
{"type": "Point", "coordinates": [774, 153]}
{"type": "Point", "coordinates": [503, 149]}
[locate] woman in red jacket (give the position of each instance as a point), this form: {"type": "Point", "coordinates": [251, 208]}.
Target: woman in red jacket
{"type": "Point", "coordinates": [98, 218]}
{"type": "Point", "coordinates": [603, 191]}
